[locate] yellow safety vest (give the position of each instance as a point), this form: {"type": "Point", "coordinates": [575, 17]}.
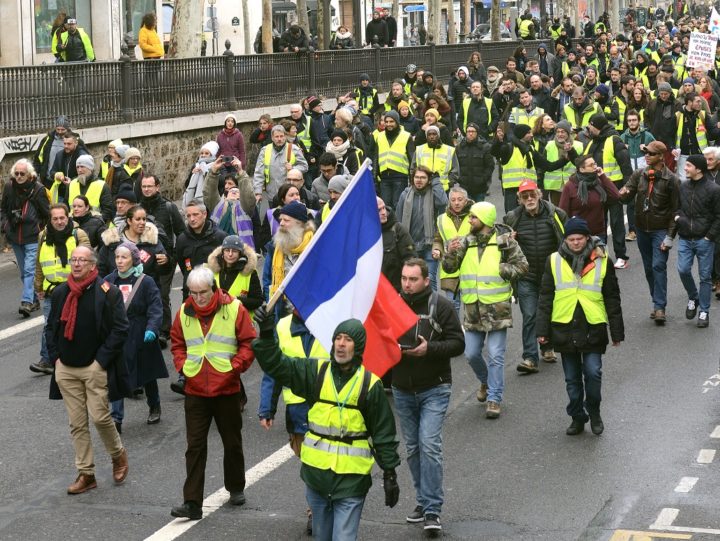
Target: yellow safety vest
{"type": "Point", "coordinates": [438, 160]}
{"type": "Point", "coordinates": [325, 211]}
{"type": "Point", "coordinates": [448, 231]}
{"type": "Point", "coordinates": [521, 116]}
{"type": "Point", "coordinates": [337, 437]}
{"type": "Point", "coordinates": [366, 102]}
{"type": "Point", "coordinates": [292, 346]}
{"type": "Point", "coordinates": [393, 156]}
{"type": "Point", "coordinates": [218, 346]}
{"type": "Point", "coordinates": [53, 271]}
{"type": "Point", "coordinates": [480, 280]}
{"type": "Point", "coordinates": [570, 290]}
{"type": "Point", "coordinates": [93, 192]}
{"type": "Point", "coordinates": [699, 129]}
{"type": "Point", "coordinates": [267, 158]}
{"type": "Point", "coordinates": [304, 136]}
{"type": "Point", "coordinates": [610, 166]}
{"type": "Point", "coordinates": [466, 110]}
{"type": "Point", "coordinates": [555, 34]}
{"type": "Point", "coordinates": [555, 180]}
{"type": "Point", "coordinates": [89, 52]}
{"type": "Point", "coordinates": [524, 29]}
{"type": "Point", "coordinates": [240, 285]}
{"type": "Point", "coordinates": [516, 170]}
{"type": "Point", "coordinates": [571, 117]}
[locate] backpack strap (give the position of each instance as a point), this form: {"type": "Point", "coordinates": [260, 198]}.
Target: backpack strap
{"type": "Point", "coordinates": [362, 397]}
{"type": "Point", "coordinates": [319, 380]}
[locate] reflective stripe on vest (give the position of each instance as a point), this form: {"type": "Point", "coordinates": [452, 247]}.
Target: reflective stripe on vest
{"type": "Point", "coordinates": [466, 111]}
{"type": "Point", "coordinates": [609, 164]}
{"type": "Point", "coordinates": [393, 156]}
{"type": "Point", "coordinates": [448, 231]}
{"type": "Point", "coordinates": [480, 281]}
{"type": "Point", "coordinates": [555, 180]}
{"type": "Point", "coordinates": [328, 422]}
{"type": "Point", "coordinates": [701, 134]}
{"type": "Point", "coordinates": [53, 271]}
{"type": "Point", "coordinates": [93, 192]}
{"type": "Point", "coordinates": [365, 102]}
{"type": "Point", "coordinates": [570, 290]}
{"type": "Point", "coordinates": [571, 115]}
{"type": "Point", "coordinates": [521, 116]}
{"type": "Point", "coordinates": [218, 346]}
{"type": "Point", "coordinates": [292, 346]}
{"type": "Point", "coordinates": [268, 158]}
{"type": "Point", "coordinates": [524, 29]}
{"type": "Point", "coordinates": [438, 160]}
{"type": "Point", "coordinates": [304, 136]}
{"type": "Point", "coordinates": [516, 170]}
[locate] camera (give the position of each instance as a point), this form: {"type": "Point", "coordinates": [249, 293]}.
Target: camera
{"type": "Point", "coordinates": [228, 159]}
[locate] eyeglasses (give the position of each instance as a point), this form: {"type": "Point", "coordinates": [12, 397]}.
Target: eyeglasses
{"type": "Point", "coordinates": [528, 195]}
{"type": "Point", "coordinates": [79, 260]}
{"type": "Point", "coordinates": [20, 174]}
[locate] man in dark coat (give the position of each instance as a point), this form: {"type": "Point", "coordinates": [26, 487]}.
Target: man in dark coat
{"type": "Point", "coordinates": [294, 40]}
{"type": "Point", "coordinates": [398, 245]}
{"type": "Point", "coordinates": [476, 163]}
{"type": "Point", "coordinates": [64, 163]}
{"type": "Point", "coordinates": [50, 146]}
{"type": "Point", "coordinates": [377, 27]}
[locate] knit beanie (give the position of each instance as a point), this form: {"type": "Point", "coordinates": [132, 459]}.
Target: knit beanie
{"type": "Point", "coordinates": [402, 104]}
{"type": "Point", "coordinates": [62, 122]}
{"type": "Point", "coordinates": [433, 112]}
{"type": "Point", "coordinates": [699, 161]}
{"type": "Point", "coordinates": [598, 121]}
{"type": "Point", "coordinates": [86, 161]}
{"type": "Point", "coordinates": [134, 252]}
{"type": "Point", "coordinates": [521, 130]}
{"type": "Point", "coordinates": [664, 87]}
{"type": "Point", "coordinates": [576, 226]}
{"type": "Point", "coordinates": [132, 152]}
{"type": "Point", "coordinates": [339, 133]}
{"type": "Point", "coordinates": [121, 150]}
{"type": "Point", "coordinates": [355, 330]}
{"type": "Point", "coordinates": [338, 183]}
{"type": "Point", "coordinates": [432, 128]}
{"type": "Point", "coordinates": [296, 210]}
{"type": "Point", "coordinates": [115, 143]}
{"type": "Point", "coordinates": [565, 126]}
{"type": "Point", "coordinates": [126, 192]}
{"type": "Point", "coordinates": [392, 114]}
{"type": "Point", "coordinates": [212, 147]}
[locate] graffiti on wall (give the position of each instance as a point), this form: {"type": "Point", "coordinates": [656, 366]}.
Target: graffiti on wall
{"type": "Point", "coordinates": [15, 145]}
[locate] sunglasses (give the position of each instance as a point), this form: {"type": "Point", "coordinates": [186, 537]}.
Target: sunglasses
{"type": "Point", "coordinates": [648, 153]}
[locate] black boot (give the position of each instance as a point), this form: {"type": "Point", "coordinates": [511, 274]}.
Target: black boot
{"type": "Point", "coordinates": [576, 427]}
{"type": "Point", "coordinates": [189, 510]}
{"type": "Point", "coordinates": [154, 416]}
{"type": "Point", "coordinates": [596, 424]}
{"type": "Point", "coordinates": [178, 386]}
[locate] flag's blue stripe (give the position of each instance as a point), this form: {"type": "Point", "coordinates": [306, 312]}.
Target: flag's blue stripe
{"type": "Point", "coordinates": [355, 228]}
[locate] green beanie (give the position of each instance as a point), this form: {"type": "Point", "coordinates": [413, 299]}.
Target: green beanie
{"type": "Point", "coordinates": [355, 330]}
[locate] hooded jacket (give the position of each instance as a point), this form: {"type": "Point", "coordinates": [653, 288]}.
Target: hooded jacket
{"type": "Point", "coordinates": [149, 244]}
{"type": "Point", "coordinates": [253, 298]}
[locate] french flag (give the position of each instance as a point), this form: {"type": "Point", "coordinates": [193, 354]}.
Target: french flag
{"type": "Point", "coordinates": [338, 277]}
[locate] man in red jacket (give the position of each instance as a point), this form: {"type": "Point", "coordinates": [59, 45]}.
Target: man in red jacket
{"type": "Point", "coordinates": [211, 338]}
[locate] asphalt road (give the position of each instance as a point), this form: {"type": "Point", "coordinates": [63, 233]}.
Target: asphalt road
{"type": "Point", "coordinates": [516, 478]}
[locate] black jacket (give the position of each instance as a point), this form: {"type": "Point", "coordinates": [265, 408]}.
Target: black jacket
{"type": "Point", "coordinates": [397, 247]}
{"type": "Point", "coordinates": [23, 218]}
{"type": "Point", "coordinates": [193, 249]}
{"type": "Point", "coordinates": [377, 27]}
{"type": "Point", "coordinates": [660, 120]}
{"type": "Point", "coordinates": [476, 166]}
{"type": "Point", "coordinates": [543, 99]}
{"type": "Point", "coordinates": [290, 40]}
{"type": "Point", "coordinates": [622, 156]}
{"type": "Point", "coordinates": [167, 217]}
{"type": "Point", "coordinates": [414, 374]}
{"type": "Point", "coordinates": [699, 212]}
{"type": "Point", "coordinates": [66, 163]}
{"type": "Point", "coordinates": [93, 227]}
{"type": "Point", "coordinates": [479, 114]}
{"type": "Point", "coordinates": [41, 158]}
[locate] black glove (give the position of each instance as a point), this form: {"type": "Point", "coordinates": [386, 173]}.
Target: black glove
{"type": "Point", "coordinates": [265, 321]}
{"type": "Point", "coordinates": [392, 489]}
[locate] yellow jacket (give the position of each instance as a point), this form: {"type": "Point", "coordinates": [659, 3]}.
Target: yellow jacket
{"type": "Point", "coordinates": [150, 44]}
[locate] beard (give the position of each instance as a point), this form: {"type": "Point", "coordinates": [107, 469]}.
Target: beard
{"type": "Point", "coordinates": [288, 240]}
{"type": "Point", "coordinates": [82, 179]}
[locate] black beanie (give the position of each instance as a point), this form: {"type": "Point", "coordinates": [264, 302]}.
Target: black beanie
{"type": "Point", "coordinates": [355, 330]}
{"type": "Point", "coordinates": [699, 161]}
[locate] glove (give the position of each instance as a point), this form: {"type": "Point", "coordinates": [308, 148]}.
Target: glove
{"type": "Point", "coordinates": [392, 489]}
{"type": "Point", "coordinates": [265, 321]}
{"type": "Point", "coordinates": [150, 336]}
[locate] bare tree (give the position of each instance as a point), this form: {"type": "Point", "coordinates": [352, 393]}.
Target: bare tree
{"type": "Point", "coordinates": [246, 27]}
{"type": "Point", "coordinates": [465, 16]}
{"type": "Point", "coordinates": [267, 26]}
{"type": "Point", "coordinates": [495, 20]}
{"type": "Point", "coordinates": [302, 16]}
{"type": "Point", "coordinates": [452, 31]}
{"type": "Point", "coordinates": [186, 35]}
{"type": "Point", "coordinates": [434, 16]}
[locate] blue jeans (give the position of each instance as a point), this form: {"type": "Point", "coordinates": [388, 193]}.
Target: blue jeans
{"type": "Point", "coordinates": [152, 394]}
{"type": "Point", "coordinates": [655, 263]}
{"type": "Point", "coordinates": [510, 201]}
{"type": "Point", "coordinates": [421, 420]}
{"type": "Point", "coordinates": [454, 296]}
{"type": "Point", "coordinates": [25, 255]}
{"type": "Point", "coordinates": [46, 304]}
{"type": "Point", "coordinates": [334, 520]}
{"type": "Point", "coordinates": [491, 373]}
{"type": "Point", "coordinates": [528, 293]}
{"type": "Point", "coordinates": [426, 254]}
{"type": "Point", "coordinates": [391, 188]}
{"type": "Point", "coordinates": [576, 366]}
{"type": "Point", "coordinates": [704, 250]}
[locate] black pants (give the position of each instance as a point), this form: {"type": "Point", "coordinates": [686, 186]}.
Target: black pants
{"type": "Point", "coordinates": [199, 414]}
{"type": "Point", "coordinates": [165, 287]}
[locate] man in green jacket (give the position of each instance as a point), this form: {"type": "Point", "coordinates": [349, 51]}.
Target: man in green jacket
{"type": "Point", "coordinates": [348, 409]}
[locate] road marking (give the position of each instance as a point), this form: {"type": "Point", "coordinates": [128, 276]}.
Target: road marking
{"type": "Point", "coordinates": [633, 535]}
{"type": "Point", "coordinates": [665, 519]}
{"type": "Point", "coordinates": [706, 456]}
{"type": "Point", "coordinates": [690, 529]}
{"type": "Point", "coordinates": [716, 433]}
{"type": "Point", "coordinates": [686, 484]}
{"type": "Point", "coordinates": [21, 327]}
{"type": "Point", "coordinates": [212, 503]}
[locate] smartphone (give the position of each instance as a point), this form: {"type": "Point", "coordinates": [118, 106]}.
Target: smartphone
{"type": "Point", "coordinates": [404, 347]}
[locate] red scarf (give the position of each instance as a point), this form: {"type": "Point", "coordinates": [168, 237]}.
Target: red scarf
{"type": "Point", "coordinates": [69, 311]}
{"type": "Point", "coordinates": [210, 308]}
{"type": "Point", "coordinates": [229, 132]}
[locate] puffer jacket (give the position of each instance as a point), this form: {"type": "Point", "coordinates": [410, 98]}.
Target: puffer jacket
{"type": "Point", "coordinates": [251, 299]}
{"type": "Point", "coordinates": [699, 212]}
{"type": "Point", "coordinates": [149, 244]}
{"type": "Point", "coordinates": [476, 165]}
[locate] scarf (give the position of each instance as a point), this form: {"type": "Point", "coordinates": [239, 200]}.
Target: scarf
{"type": "Point", "coordinates": [137, 270]}
{"type": "Point", "coordinates": [210, 308]}
{"type": "Point", "coordinates": [230, 131]}
{"type": "Point", "coordinates": [278, 261]}
{"type": "Point", "coordinates": [337, 151]}
{"type": "Point", "coordinates": [576, 261]}
{"type": "Point", "coordinates": [132, 170]}
{"type": "Point", "coordinates": [428, 210]}
{"type": "Point", "coordinates": [586, 182]}
{"type": "Point", "coordinates": [69, 310]}
{"type": "Point", "coordinates": [56, 238]}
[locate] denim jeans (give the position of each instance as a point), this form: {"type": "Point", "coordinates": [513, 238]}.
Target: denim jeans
{"type": "Point", "coordinates": [528, 293]}
{"type": "Point", "coordinates": [334, 520]}
{"type": "Point", "coordinates": [25, 255]}
{"type": "Point", "coordinates": [510, 199]}
{"type": "Point", "coordinates": [655, 263]}
{"type": "Point", "coordinates": [617, 227]}
{"type": "Point", "coordinates": [426, 254]}
{"type": "Point", "coordinates": [152, 394]}
{"type": "Point", "coordinates": [576, 366]}
{"type": "Point", "coordinates": [46, 304]}
{"type": "Point", "coordinates": [454, 296]}
{"type": "Point", "coordinates": [391, 188]}
{"type": "Point", "coordinates": [704, 250]}
{"type": "Point", "coordinates": [630, 211]}
{"type": "Point", "coordinates": [421, 418]}
{"type": "Point", "coordinates": [491, 373]}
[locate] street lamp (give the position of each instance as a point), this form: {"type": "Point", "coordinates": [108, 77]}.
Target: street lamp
{"type": "Point", "coordinates": [213, 25]}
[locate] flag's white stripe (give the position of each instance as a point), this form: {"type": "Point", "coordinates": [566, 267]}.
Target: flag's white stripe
{"type": "Point", "coordinates": [353, 300]}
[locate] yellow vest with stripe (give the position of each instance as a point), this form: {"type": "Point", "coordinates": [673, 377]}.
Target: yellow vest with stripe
{"type": "Point", "coordinates": [516, 170]}
{"type": "Point", "coordinates": [438, 160]}
{"type": "Point", "coordinates": [555, 180]}
{"type": "Point", "coordinates": [366, 102]}
{"type": "Point", "coordinates": [337, 437]}
{"type": "Point", "coordinates": [555, 34]}
{"type": "Point", "coordinates": [480, 281]}
{"type": "Point", "coordinates": [524, 29]}
{"type": "Point", "coordinates": [304, 136]}
{"type": "Point", "coordinates": [53, 271]}
{"type": "Point", "coordinates": [466, 110]}
{"type": "Point", "coordinates": [325, 211]}
{"type": "Point", "coordinates": [699, 129]}
{"type": "Point", "coordinates": [268, 156]}
{"type": "Point", "coordinates": [571, 117]}
{"type": "Point", "coordinates": [610, 166]}
{"type": "Point", "coordinates": [447, 231]}
{"type": "Point", "coordinates": [393, 156]}
{"type": "Point", "coordinates": [292, 346]}
{"type": "Point", "coordinates": [521, 116]}
{"type": "Point", "coordinates": [218, 346]}
{"type": "Point", "coordinates": [571, 290]}
{"type": "Point", "coordinates": [93, 192]}
{"type": "Point", "coordinates": [240, 285]}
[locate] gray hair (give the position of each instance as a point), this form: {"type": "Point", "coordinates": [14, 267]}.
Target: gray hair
{"type": "Point", "coordinates": [197, 203]}
{"type": "Point", "coordinates": [278, 128]}
{"type": "Point", "coordinates": [91, 254]}
{"type": "Point", "coordinates": [714, 150]}
{"type": "Point", "coordinates": [201, 276]}
{"type": "Point", "coordinates": [28, 165]}
{"type": "Point", "coordinates": [459, 189]}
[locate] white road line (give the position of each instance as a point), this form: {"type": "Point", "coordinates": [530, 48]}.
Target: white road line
{"type": "Point", "coordinates": [686, 484]}
{"type": "Point", "coordinates": [716, 433]}
{"type": "Point", "coordinates": [665, 519]}
{"type": "Point", "coordinates": [688, 529]}
{"type": "Point", "coordinates": [21, 327]}
{"type": "Point", "coordinates": [212, 503]}
{"type": "Point", "coordinates": [706, 456]}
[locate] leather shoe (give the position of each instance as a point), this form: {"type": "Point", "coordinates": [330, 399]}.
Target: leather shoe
{"type": "Point", "coordinates": [83, 483]}
{"type": "Point", "coordinates": [596, 424]}
{"type": "Point", "coordinates": [120, 467]}
{"type": "Point", "coordinates": [154, 416]}
{"type": "Point", "coordinates": [189, 510]}
{"type": "Point", "coordinates": [659, 317]}
{"type": "Point", "coordinates": [178, 386]}
{"type": "Point", "coordinates": [576, 427]}
{"type": "Point", "coordinates": [237, 498]}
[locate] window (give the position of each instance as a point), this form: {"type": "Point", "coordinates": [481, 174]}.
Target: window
{"type": "Point", "coordinates": [47, 12]}
{"type": "Point", "coordinates": [133, 11]}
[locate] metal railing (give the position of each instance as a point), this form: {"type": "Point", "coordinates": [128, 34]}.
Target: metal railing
{"type": "Point", "coordinates": [104, 93]}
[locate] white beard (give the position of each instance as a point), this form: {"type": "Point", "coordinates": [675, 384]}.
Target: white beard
{"type": "Point", "coordinates": [288, 240]}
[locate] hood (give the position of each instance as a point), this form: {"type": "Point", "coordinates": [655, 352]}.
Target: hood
{"type": "Point", "coordinates": [150, 235]}
{"type": "Point", "coordinates": [213, 262]}
{"type": "Point", "coordinates": [607, 131]}
{"type": "Point", "coordinates": [542, 46]}
{"type": "Point", "coordinates": [391, 219]}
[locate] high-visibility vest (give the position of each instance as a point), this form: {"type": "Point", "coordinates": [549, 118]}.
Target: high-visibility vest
{"type": "Point", "coordinates": [304, 135]}
{"type": "Point", "coordinates": [466, 110]}
{"type": "Point", "coordinates": [104, 169]}
{"type": "Point", "coordinates": [268, 157]}
{"type": "Point", "coordinates": [89, 52]}
{"type": "Point", "coordinates": [521, 116]}
{"type": "Point", "coordinates": [325, 211]}
{"type": "Point", "coordinates": [337, 437]}
{"type": "Point", "coordinates": [240, 285]}
{"type": "Point", "coordinates": [393, 156]}
{"type": "Point", "coordinates": [218, 346]}
{"type": "Point", "coordinates": [438, 160]}
{"type": "Point", "coordinates": [570, 115]}
{"type": "Point", "coordinates": [447, 230]}
{"type": "Point", "coordinates": [292, 346]}
{"type": "Point", "coordinates": [53, 271]}
{"type": "Point", "coordinates": [699, 129]}
{"type": "Point", "coordinates": [571, 290]}
{"type": "Point", "coordinates": [524, 28]}
{"type": "Point", "coordinates": [93, 192]}
{"type": "Point", "coordinates": [516, 170]}
{"type": "Point", "coordinates": [555, 180]}
{"type": "Point", "coordinates": [610, 166]}
{"type": "Point", "coordinates": [365, 102]}
{"type": "Point", "coordinates": [555, 34]}
{"type": "Point", "coordinates": [622, 107]}
{"type": "Point", "coordinates": [480, 280]}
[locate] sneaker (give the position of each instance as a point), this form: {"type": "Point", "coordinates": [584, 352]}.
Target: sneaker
{"type": "Point", "coordinates": [631, 236]}
{"type": "Point", "coordinates": [691, 309]}
{"type": "Point", "coordinates": [25, 309]}
{"type": "Point", "coordinates": [493, 410]}
{"type": "Point", "coordinates": [35, 306]}
{"type": "Point", "coordinates": [621, 263]}
{"type": "Point", "coordinates": [482, 392]}
{"type": "Point", "coordinates": [432, 522]}
{"type": "Point", "coordinates": [527, 366]}
{"type": "Point", "coordinates": [659, 317]}
{"type": "Point", "coordinates": [42, 367]}
{"type": "Point", "coordinates": [418, 515]}
{"type": "Point", "coordinates": [596, 424]}
{"type": "Point", "coordinates": [154, 415]}
{"type": "Point", "coordinates": [703, 320]}
{"type": "Point", "coordinates": [549, 356]}
{"type": "Point", "coordinates": [576, 427]}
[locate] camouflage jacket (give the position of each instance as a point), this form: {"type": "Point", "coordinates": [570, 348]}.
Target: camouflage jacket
{"type": "Point", "coordinates": [490, 317]}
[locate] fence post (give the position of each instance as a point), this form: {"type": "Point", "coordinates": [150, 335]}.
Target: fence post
{"type": "Point", "coordinates": [432, 56]}
{"type": "Point", "coordinates": [311, 71]}
{"type": "Point", "coordinates": [126, 84]}
{"type": "Point", "coordinates": [230, 100]}
{"type": "Point", "coordinates": [376, 59]}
